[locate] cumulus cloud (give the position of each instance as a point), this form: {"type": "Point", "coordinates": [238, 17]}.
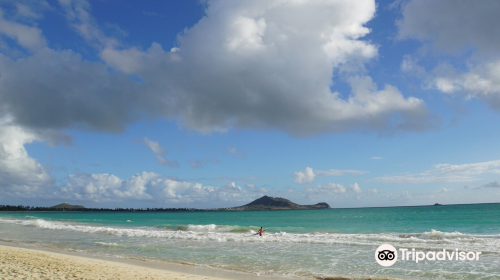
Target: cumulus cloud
{"type": "Point", "coordinates": [308, 175]}
{"type": "Point", "coordinates": [305, 176]}
{"type": "Point", "coordinates": [481, 81]}
{"type": "Point", "coordinates": [355, 188]}
{"type": "Point", "coordinates": [452, 25]}
{"type": "Point", "coordinates": [152, 187]}
{"type": "Point", "coordinates": [455, 27]}
{"type": "Point", "coordinates": [142, 187]}
{"type": "Point", "coordinates": [239, 66]}
{"type": "Point", "coordinates": [57, 90]}
{"type": "Point", "coordinates": [19, 173]}
{"type": "Point", "coordinates": [246, 64]}
{"type": "Point", "coordinates": [105, 187]}
{"type": "Point", "coordinates": [446, 173]}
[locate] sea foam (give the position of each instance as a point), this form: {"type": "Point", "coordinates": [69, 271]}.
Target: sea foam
{"type": "Point", "coordinates": [430, 240]}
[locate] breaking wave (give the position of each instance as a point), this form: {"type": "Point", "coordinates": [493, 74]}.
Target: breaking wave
{"type": "Point", "coordinates": [430, 240]}
{"type": "Point", "coordinates": [211, 228]}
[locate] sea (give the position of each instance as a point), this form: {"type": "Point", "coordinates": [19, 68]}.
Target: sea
{"type": "Point", "coordinates": [301, 244]}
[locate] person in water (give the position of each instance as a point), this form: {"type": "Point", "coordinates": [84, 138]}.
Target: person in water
{"type": "Point", "coordinates": [261, 231]}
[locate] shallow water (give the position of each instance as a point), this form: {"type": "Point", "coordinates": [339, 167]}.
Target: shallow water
{"type": "Point", "coordinates": [299, 243]}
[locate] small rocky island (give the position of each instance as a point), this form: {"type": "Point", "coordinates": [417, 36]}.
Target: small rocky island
{"type": "Point", "coordinates": [278, 203]}
{"type": "Point", "coordinates": [66, 206]}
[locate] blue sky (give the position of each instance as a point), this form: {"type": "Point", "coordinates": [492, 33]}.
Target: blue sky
{"type": "Point", "coordinates": [216, 103]}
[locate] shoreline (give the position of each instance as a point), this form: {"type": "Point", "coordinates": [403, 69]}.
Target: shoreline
{"type": "Point", "coordinates": [20, 261]}
{"type": "Point", "coordinates": [93, 210]}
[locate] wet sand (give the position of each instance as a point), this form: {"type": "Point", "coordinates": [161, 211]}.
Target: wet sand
{"type": "Point", "coordinates": [28, 263]}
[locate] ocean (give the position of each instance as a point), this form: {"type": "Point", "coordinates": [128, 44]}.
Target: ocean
{"type": "Point", "coordinates": [298, 243]}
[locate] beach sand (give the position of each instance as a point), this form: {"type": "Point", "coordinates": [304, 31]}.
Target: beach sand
{"type": "Point", "coordinates": [24, 263]}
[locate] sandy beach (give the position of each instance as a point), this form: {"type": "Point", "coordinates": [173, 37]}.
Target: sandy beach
{"type": "Point", "coordinates": [23, 263]}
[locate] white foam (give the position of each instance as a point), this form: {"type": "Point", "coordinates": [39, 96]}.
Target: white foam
{"type": "Point", "coordinates": [112, 244]}
{"type": "Point", "coordinates": [210, 228]}
{"type": "Point", "coordinates": [427, 240]}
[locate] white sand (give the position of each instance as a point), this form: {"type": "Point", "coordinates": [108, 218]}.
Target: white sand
{"type": "Point", "coordinates": [22, 263]}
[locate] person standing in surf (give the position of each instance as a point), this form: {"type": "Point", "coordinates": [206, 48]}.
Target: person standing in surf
{"type": "Point", "coordinates": [261, 231]}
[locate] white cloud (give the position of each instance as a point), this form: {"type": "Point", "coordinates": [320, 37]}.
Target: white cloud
{"type": "Point", "coordinates": [470, 168]}
{"type": "Point", "coordinates": [29, 37]}
{"type": "Point", "coordinates": [446, 173]}
{"type": "Point", "coordinates": [376, 158]}
{"type": "Point", "coordinates": [355, 188]}
{"type": "Point", "coordinates": [19, 173]}
{"type": "Point", "coordinates": [247, 64]}
{"type": "Point", "coordinates": [331, 188]}
{"type": "Point", "coordinates": [109, 189]}
{"type": "Point", "coordinates": [308, 175]}
{"type": "Point", "coordinates": [78, 15]}
{"type": "Point", "coordinates": [305, 176]}
{"type": "Point", "coordinates": [154, 146]}
{"type": "Point", "coordinates": [104, 187]}
{"type": "Point", "coordinates": [254, 188]}
{"type": "Point", "coordinates": [481, 81]}
{"type": "Point", "coordinates": [26, 11]}
{"type": "Point", "coordinates": [265, 65]}
{"type": "Point", "coordinates": [267, 42]}
{"type": "Point", "coordinates": [455, 27]}
{"type": "Point", "coordinates": [153, 187]}
{"type": "Point", "coordinates": [410, 65]}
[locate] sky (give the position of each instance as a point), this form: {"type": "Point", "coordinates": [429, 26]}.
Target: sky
{"type": "Point", "coordinates": [215, 103]}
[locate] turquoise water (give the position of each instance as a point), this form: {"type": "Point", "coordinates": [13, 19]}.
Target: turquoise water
{"type": "Point", "coordinates": [299, 243]}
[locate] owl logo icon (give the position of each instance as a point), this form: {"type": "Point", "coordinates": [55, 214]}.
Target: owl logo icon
{"type": "Point", "coordinates": [386, 255]}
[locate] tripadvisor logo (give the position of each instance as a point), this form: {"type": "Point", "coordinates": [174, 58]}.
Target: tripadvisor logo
{"type": "Point", "coordinates": [387, 255]}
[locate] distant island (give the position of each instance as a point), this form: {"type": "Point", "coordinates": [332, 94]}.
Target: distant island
{"type": "Point", "coordinates": [67, 206]}
{"type": "Point", "coordinates": [278, 203]}
{"type": "Point", "coordinates": [263, 203]}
